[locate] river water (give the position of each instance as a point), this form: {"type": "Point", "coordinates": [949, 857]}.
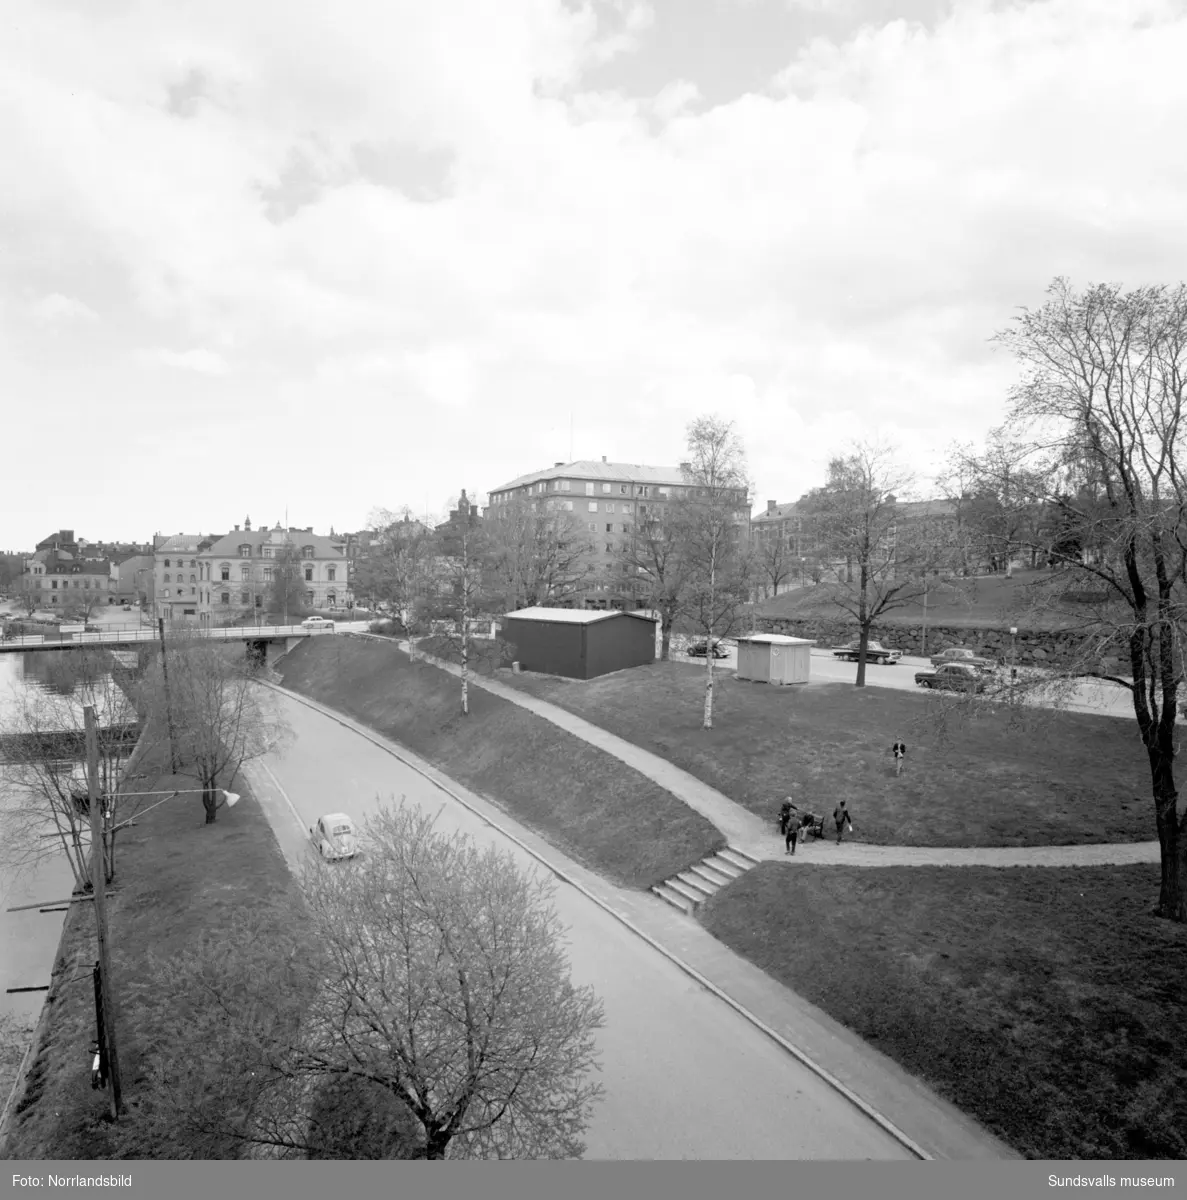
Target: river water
{"type": "Point", "coordinates": [29, 940]}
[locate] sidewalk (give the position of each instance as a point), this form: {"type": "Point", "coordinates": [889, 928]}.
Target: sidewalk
{"type": "Point", "coordinates": [937, 1127]}
{"type": "Point", "coordinates": [758, 838]}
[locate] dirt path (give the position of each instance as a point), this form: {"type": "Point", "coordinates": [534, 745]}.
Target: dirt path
{"type": "Point", "coordinates": [761, 840]}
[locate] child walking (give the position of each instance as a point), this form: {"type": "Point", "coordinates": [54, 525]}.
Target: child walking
{"type": "Point", "coordinates": [899, 750]}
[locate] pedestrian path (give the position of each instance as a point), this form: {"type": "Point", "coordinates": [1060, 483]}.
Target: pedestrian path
{"type": "Point", "coordinates": [761, 840]}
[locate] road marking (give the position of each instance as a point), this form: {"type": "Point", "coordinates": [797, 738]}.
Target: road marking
{"type": "Point", "coordinates": [283, 794]}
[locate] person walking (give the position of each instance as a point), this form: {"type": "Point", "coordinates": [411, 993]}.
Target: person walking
{"type": "Point", "coordinates": [841, 817]}
{"type": "Point", "coordinates": [791, 834]}
{"type": "Point", "coordinates": [899, 750]}
{"type": "Point", "coordinates": [785, 816]}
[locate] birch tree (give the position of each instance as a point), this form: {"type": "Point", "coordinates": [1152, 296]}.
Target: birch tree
{"type": "Point", "coordinates": [710, 521]}
{"type": "Point", "coordinates": [461, 589]}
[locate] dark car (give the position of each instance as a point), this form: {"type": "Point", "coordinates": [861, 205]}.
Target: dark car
{"type": "Point", "coordinates": [699, 649]}
{"type": "Point", "coordinates": [961, 654]}
{"type": "Point", "coordinates": [875, 653]}
{"type": "Point", "coordinates": [953, 677]}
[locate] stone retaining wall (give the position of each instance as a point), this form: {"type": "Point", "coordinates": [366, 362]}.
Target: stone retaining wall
{"type": "Point", "coordinates": [1039, 647]}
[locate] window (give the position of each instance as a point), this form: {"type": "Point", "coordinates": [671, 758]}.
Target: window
{"type": "Point", "coordinates": [609, 548]}
{"type": "Point", "coordinates": [331, 573]}
{"type": "Point", "coordinates": [626, 528]}
{"type": "Point", "coordinates": [267, 574]}
{"type": "Point", "coordinates": [642, 510]}
{"type": "Point", "coordinates": [226, 598]}
{"type": "Point", "coordinates": [245, 550]}
{"type": "Point", "coordinates": [606, 487]}
{"type": "Point", "coordinates": [244, 598]}
{"type": "Point", "coordinates": [193, 562]}
{"type": "Point", "coordinates": [193, 591]}
{"type": "Point", "coordinates": [609, 506]}
{"type": "Point", "coordinates": [306, 551]}
{"type": "Point", "coordinates": [166, 562]}
{"type": "Point", "coordinates": [259, 602]}
{"type": "Point", "coordinates": [566, 486]}
{"type": "Point", "coordinates": [225, 571]}
{"type": "Point", "coordinates": [308, 574]}
{"type": "Point", "coordinates": [567, 503]}
{"type": "Point", "coordinates": [593, 527]}
{"type": "Point", "coordinates": [641, 491]}
{"type": "Point", "coordinates": [665, 491]}
{"type": "Point", "coordinates": [166, 591]}
{"type": "Point", "coordinates": [624, 489]}
{"type": "Point", "coordinates": [609, 528]}
{"type": "Point", "coordinates": [309, 598]}
{"type": "Point", "coordinates": [332, 598]}
{"type": "Point", "coordinates": [589, 489]}
{"type": "Point", "coordinates": [166, 576]}
{"type": "Point", "coordinates": [192, 580]}
{"type": "Point", "coordinates": [626, 508]}
{"type": "Point", "coordinates": [86, 583]}
{"type": "Point", "coordinates": [593, 506]}
{"type": "Point", "coordinates": [245, 573]}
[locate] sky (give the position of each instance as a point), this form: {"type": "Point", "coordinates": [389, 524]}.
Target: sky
{"type": "Point", "coordinates": [298, 261]}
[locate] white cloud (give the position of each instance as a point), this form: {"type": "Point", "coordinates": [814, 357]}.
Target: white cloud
{"type": "Point", "coordinates": [56, 308]}
{"type": "Point", "coordinates": [201, 361]}
{"type": "Point", "coordinates": [822, 260]}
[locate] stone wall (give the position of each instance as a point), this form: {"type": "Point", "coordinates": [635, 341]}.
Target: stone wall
{"type": "Point", "coordinates": [1050, 648]}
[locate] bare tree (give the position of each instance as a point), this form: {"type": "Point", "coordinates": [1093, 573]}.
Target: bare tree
{"type": "Point", "coordinates": [856, 513]}
{"type": "Point", "coordinates": [538, 554]}
{"type": "Point", "coordinates": [284, 593]}
{"type": "Point", "coordinates": [652, 564]}
{"type": "Point", "coordinates": [710, 520]}
{"type": "Point", "coordinates": [1102, 399]}
{"type": "Point", "coordinates": [222, 716]}
{"type": "Point", "coordinates": [398, 570]}
{"type": "Point", "coordinates": [773, 560]}
{"type": "Point", "coordinates": [432, 984]}
{"type": "Point", "coordinates": [29, 595]}
{"type": "Point", "coordinates": [45, 771]}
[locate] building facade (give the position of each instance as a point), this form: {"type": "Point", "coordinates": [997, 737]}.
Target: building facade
{"type": "Point", "coordinates": [65, 578]}
{"type": "Point", "coordinates": [176, 576]}
{"type": "Point", "coordinates": [238, 573]}
{"type": "Point", "coordinates": [610, 499]}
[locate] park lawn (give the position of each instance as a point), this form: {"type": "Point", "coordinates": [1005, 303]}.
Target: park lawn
{"type": "Point", "coordinates": [587, 803]}
{"type": "Point", "coordinates": [1045, 1002]}
{"type": "Point", "coordinates": [176, 877]}
{"type": "Point", "coordinates": [1064, 778]}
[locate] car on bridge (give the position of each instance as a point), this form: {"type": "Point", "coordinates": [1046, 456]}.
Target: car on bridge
{"type": "Point", "coordinates": [317, 623]}
{"type": "Point", "coordinates": [875, 653]}
{"type": "Point", "coordinates": [335, 837]}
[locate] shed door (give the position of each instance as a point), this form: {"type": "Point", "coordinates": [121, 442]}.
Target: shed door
{"type": "Point", "coordinates": [778, 664]}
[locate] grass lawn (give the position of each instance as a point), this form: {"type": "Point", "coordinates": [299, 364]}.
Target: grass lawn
{"type": "Point", "coordinates": [985, 602]}
{"type": "Point", "coordinates": [1066, 778]}
{"type": "Point", "coordinates": [1044, 1002]}
{"type": "Point", "coordinates": [593, 807]}
{"type": "Point", "coordinates": [176, 877]}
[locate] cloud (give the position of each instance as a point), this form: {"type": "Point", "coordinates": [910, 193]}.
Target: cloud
{"type": "Point", "coordinates": [58, 309]}
{"type": "Point", "coordinates": [201, 361]}
{"type": "Point", "coordinates": [433, 205]}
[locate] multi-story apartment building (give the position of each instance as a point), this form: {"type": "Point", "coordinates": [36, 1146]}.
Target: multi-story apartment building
{"type": "Point", "coordinates": [176, 574]}
{"type": "Point", "coordinates": [237, 572]}
{"type": "Point", "coordinates": [63, 576]}
{"type": "Point", "coordinates": [609, 499]}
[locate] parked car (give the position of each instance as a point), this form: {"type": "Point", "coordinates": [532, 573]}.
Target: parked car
{"type": "Point", "coordinates": [961, 654]}
{"type": "Point", "coordinates": [875, 653]}
{"type": "Point", "coordinates": [953, 677]}
{"type": "Point", "coordinates": [317, 623]}
{"type": "Point", "coordinates": [699, 649]}
{"type": "Point", "coordinates": [335, 838]}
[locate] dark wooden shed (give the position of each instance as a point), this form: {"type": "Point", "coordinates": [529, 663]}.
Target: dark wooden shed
{"type": "Point", "coordinates": [579, 643]}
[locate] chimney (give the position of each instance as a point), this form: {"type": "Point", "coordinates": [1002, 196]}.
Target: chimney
{"type": "Point", "coordinates": [686, 466]}
{"type": "Point", "coordinates": [558, 464]}
{"type": "Point", "coordinates": [771, 506]}
{"type": "Point", "coordinates": [236, 528]}
{"type": "Point", "coordinates": [603, 458]}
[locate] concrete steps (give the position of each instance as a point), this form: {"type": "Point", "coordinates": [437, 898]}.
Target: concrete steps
{"type": "Point", "coordinates": [688, 890]}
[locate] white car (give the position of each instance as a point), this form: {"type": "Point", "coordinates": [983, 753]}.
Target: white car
{"type": "Point", "coordinates": [317, 623]}
{"type": "Point", "coordinates": [335, 838]}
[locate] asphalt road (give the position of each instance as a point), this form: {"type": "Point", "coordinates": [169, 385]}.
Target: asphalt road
{"type": "Point", "coordinates": [686, 1077]}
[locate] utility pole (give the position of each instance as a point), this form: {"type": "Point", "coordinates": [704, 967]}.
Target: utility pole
{"type": "Point", "coordinates": [168, 703]}
{"type": "Point", "coordinates": [104, 990]}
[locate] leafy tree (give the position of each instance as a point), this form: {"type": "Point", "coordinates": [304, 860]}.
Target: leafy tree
{"type": "Point", "coordinates": [1101, 400]}
{"type": "Point", "coordinates": [427, 986]}
{"type": "Point", "coordinates": [220, 716]}
{"type": "Point", "coordinates": [875, 566]}
{"type": "Point", "coordinates": [709, 522]}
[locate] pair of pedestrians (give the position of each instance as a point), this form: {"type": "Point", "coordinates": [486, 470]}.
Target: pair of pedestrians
{"type": "Point", "coordinates": [794, 825]}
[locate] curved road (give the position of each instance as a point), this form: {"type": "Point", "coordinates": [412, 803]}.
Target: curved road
{"type": "Point", "coordinates": [685, 1076]}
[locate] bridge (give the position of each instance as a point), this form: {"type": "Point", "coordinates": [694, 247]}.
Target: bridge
{"type": "Point", "coordinates": [72, 637]}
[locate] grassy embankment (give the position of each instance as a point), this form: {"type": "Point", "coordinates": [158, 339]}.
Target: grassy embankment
{"type": "Point", "coordinates": [176, 877]}
{"type": "Point", "coordinates": [1062, 778]}
{"type": "Point", "coordinates": [1045, 1002]}
{"type": "Point", "coordinates": [587, 803]}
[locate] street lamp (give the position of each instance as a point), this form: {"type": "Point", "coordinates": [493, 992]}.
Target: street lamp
{"type": "Point", "coordinates": [1013, 668]}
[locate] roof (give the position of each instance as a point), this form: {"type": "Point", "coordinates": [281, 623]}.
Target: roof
{"type": "Point", "coordinates": [571, 616]}
{"type": "Point", "coordinates": [323, 547]}
{"type": "Point", "coordinates": [188, 543]}
{"type": "Point", "coordinates": [607, 471]}
{"type": "Point", "coordinates": [777, 639]}
{"type": "Point", "coordinates": [779, 513]}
